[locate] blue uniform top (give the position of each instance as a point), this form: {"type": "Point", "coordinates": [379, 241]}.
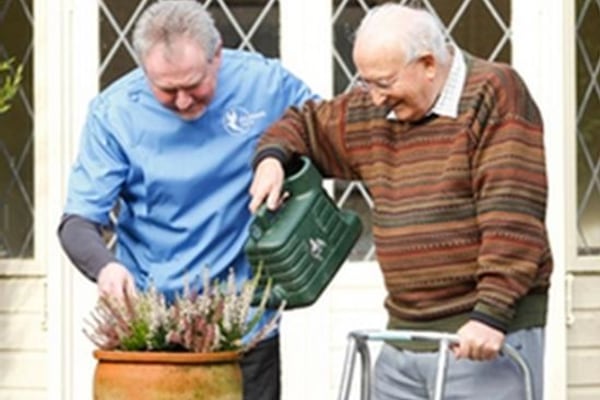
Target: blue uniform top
{"type": "Point", "coordinates": [182, 186]}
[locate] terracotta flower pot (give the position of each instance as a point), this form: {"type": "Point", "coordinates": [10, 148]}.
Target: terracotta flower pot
{"type": "Point", "coordinates": [130, 375]}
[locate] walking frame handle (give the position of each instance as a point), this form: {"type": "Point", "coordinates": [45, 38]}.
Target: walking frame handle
{"type": "Point", "coordinates": [357, 343]}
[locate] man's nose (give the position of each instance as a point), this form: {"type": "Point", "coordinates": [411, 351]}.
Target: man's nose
{"type": "Point", "coordinates": [377, 96]}
{"type": "Point", "coordinates": [183, 100]}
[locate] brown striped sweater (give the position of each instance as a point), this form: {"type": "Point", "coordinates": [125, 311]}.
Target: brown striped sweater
{"type": "Point", "coordinates": [459, 204]}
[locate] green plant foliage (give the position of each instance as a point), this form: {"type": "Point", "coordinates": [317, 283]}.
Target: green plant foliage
{"type": "Point", "coordinates": [10, 80]}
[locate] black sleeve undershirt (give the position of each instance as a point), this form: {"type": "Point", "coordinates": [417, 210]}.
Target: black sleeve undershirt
{"type": "Point", "coordinates": [82, 241]}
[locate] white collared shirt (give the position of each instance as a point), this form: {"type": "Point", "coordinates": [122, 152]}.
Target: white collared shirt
{"type": "Point", "coordinates": [447, 103]}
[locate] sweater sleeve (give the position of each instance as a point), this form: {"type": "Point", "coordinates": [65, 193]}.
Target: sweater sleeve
{"type": "Point", "coordinates": [316, 130]}
{"type": "Point", "coordinates": [510, 186]}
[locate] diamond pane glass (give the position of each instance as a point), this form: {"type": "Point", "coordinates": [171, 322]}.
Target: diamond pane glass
{"type": "Point", "coordinates": [588, 126]}
{"type": "Point", "coordinates": [482, 27]}
{"type": "Point", "coordinates": [16, 134]}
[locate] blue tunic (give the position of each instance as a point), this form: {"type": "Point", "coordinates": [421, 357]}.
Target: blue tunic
{"type": "Point", "coordinates": [182, 186]}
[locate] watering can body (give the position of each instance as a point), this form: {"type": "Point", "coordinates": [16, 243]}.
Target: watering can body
{"type": "Point", "coordinates": [301, 246]}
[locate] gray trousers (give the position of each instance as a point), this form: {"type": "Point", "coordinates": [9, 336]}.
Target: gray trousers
{"type": "Point", "coordinates": [407, 375]}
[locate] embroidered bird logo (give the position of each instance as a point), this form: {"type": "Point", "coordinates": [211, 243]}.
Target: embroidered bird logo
{"type": "Point", "coordinates": [232, 121]}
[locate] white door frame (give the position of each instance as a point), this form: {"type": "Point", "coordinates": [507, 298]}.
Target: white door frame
{"type": "Point", "coordinates": [543, 52]}
{"type": "Point", "coordinates": [67, 59]}
{"type": "Point", "coordinates": [306, 49]}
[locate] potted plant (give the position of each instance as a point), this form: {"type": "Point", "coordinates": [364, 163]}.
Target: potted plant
{"type": "Point", "coordinates": [149, 348]}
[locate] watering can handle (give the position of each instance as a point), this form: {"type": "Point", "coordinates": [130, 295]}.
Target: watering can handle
{"type": "Point", "coordinates": [305, 179]}
{"type": "Point", "coordinates": [263, 219]}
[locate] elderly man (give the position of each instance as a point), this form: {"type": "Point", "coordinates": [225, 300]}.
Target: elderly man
{"type": "Point", "coordinates": [450, 147]}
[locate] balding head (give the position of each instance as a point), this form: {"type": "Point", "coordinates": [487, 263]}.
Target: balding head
{"type": "Point", "coordinates": [402, 59]}
{"type": "Point", "coordinates": [406, 32]}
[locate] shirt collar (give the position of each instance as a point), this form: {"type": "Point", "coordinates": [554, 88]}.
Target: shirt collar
{"type": "Point", "coordinates": [447, 102]}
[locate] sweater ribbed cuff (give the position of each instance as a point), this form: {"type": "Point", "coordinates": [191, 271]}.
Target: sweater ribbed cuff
{"type": "Point", "coordinates": [274, 152]}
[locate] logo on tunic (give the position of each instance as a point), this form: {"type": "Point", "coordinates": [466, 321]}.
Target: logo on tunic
{"type": "Point", "coordinates": [239, 122]}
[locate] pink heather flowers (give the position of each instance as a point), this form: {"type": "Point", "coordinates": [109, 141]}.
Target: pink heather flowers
{"type": "Point", "coordinates": [215, 320]}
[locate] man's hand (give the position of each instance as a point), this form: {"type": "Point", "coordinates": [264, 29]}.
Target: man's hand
{"type": "Point", "coordinates": [115, 280]}
{"type": "Point", "coordinates": [267, 184]}
{"type": "Point", "coordinates": [478, 341]}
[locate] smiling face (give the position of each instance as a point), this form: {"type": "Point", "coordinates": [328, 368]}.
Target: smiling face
{"type": "Point", "coordinates": [409, 89]}
{"type": "Point", "coordinates": [182, 77]}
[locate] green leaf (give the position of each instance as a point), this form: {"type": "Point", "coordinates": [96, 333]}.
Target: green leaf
{"type": "Point", "coordinates": [10, 81]}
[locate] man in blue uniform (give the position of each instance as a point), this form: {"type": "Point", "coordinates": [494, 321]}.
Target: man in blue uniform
{"type": "Point", "coordinates": [171, 142]}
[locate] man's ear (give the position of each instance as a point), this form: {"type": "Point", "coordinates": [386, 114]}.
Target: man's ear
{"type": "Point", "coordinates": [430, 64]}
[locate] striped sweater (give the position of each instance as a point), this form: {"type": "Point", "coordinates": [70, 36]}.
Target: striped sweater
{"type": "Point", "coordinates": [459, 204]}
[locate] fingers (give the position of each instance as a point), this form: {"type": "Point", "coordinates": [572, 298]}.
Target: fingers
{"type": "Point", "coordinates": [256, 200]}
{"type": "Point", "coordinates": [478, 342]}
{"type": "Point", "coordinates": [115, 281]}
{"type": "Point", "coordinates": [129, 286]}
{"type": "Point", "coordinates": [267, 184]}
{"type": "Point", "coordinates": [475, 350]}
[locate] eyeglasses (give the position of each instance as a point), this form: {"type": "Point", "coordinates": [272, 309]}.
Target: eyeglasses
{"type": "Point", "coordinates": [384, 84]}
{"type": "Point", "coordinates": [378, 84]}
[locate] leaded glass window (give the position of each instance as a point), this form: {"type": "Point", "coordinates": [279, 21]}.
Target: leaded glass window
{"type": "Point", "coordinates": [588, 126]}
{"type": "Point", "coordinates": [16, 134]}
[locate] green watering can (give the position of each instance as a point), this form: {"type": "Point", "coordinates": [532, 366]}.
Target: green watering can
{"type": "Point", "coordinates": [300, 246]}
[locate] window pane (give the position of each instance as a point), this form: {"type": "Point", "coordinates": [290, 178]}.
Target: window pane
{"type": "Point", "coordinates": [16, 134]}
{"type": "Point", "coordinates": [588, 127]}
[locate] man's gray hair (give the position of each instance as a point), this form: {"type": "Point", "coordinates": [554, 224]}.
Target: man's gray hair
{"type": "Point", "coordinates": [419, 33]}
{"type": "Point", "coordinates": [168, 20]}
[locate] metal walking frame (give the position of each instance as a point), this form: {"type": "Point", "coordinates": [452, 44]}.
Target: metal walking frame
{"type": "Point", "coordinates": [357, 343]}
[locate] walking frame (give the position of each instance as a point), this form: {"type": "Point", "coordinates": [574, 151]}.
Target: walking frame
{"type": "Point", "coordinates": [357, 343]}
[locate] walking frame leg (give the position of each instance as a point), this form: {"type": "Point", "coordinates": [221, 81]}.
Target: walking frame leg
{"type": "Point", "coordinates": [442, 365]}
{"type": "Point", "coordinates": [365, 357]}
{"type": "Point", "coordinates": [348, 369]}
{"type": "Point", "coordinates": [356, 344]}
